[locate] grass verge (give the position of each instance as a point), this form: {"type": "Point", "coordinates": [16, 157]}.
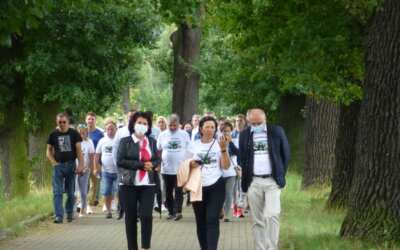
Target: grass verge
{"type": "Point", "coordinates": [307, 225]}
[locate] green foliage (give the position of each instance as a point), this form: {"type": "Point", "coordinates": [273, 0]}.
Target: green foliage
{"type": "Point", "coordinates": [18, 15]}
{"type": "Point", "coordinates": [181, 11]}
{"type": "Point", "coordinates": [153, 90]}
{"type": "Point", "coordinates": [256, 51]}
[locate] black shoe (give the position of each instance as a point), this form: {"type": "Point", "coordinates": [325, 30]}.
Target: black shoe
{"type": "Point", "coordinates": [120, 215]}
{"type": "Point", "coordinates": [95, 203]}
{"type": "Point", "coordinates": [171, 217]}
{"type": "Point", "coordinates": [109, 215]}
{"type": "Point", "coordinates": [157, 209]}
{"type": "Point", "coordinates": [70, 218]}
{"type": "Point", "coordinates": [178, 217]}
{"type": "Point", "coordinates": [227, 220]}
{"type": "Point", "coordinates": [58, 220]}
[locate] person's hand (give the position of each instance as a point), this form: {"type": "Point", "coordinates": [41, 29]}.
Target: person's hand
{"type": "Point", "coordinates": [228, 138]}
{"type": "Point", "coordinates": [157, 169]}
{"type": "Point", "coordinates": [54, 163]}
{"type": "Point", "coordinates": [223, 142]}
{"type": "Point", "coordinates": [194, 164]}
{"type": "Point", "coordinates": [79, 169]}
{"type": "Point", "coordinates": [148, 166]}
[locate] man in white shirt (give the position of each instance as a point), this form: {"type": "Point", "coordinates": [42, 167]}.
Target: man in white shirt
{"type": "Point", "coordinates": [104, 158]}
{"type": "Point", "coordinates": [172, 145]}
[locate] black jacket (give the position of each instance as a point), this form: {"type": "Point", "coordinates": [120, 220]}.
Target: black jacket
{"type": "Point", "coordinates": [279, 153]}
{"type": "Point", "coordinates": [128, 160]}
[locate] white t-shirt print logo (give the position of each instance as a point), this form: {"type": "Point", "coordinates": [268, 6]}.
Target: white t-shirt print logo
{"type": "Point", "coordinates": [174, 145]}
{"type": "Point", "coordinates": [64, 143]}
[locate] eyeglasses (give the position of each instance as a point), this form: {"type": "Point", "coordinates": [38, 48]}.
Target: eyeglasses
{"type": "Point", "coordinates": [62, 122]}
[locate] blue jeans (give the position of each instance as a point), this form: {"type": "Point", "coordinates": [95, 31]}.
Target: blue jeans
{"type": "Point", "coordinates": [63, 178]}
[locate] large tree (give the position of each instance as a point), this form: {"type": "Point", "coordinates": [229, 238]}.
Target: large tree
{"type": "Point", "coordinates": [277, 48]}
{"type": "Point", "coordinates": [186, 15]}
{"type": "Point", "coordinates": [374, 207]}
{"type": "Point", "coordinates": [76, 58]}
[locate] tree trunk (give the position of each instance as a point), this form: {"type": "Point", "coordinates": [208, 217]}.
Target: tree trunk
{"type": "Point", "coordinates": [345, 155]}
{"type": "Point", "coordinates": [186, 48]}
{"type": "Point", "coordinates": [374, 208]}
{"type": "Point", "coordinates": [14, 152]}
{"type": "Point", "coordinates": [291, 118]}
{"type": "Point", "coordinates": [15, 167]}
{"type": "Point", "coordinates": [320, 139]}
{"type": "Point", "coordinates": [41, 168]}
{"type": "Point", "coordinates": [5, 166]}
{"type": "Point", "coordinates": [126, 99]}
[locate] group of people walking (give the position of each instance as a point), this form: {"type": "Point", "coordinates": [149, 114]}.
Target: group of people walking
{"type": "Point", "coordinates": [223, 167]}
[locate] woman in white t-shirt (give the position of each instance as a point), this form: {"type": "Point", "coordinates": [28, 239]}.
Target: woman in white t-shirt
{"type": "Point", "coordinates": [211, 156]}
{"type": "Point", "coordinates": [82, 181]}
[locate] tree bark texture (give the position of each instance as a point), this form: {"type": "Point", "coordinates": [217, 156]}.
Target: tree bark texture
{"type": "Point", "coordinates": [186, 49]}
{"type": "Point", "coordinates": [41, 168]}
{"type": "Point", "coordinates": [374, 208]}
{"type": "Point", "coordinates": [345, 153]}
{"type": "Point", "coordinates": [320, 138]}
{"type": "Point", "coordinates": [126, 99]}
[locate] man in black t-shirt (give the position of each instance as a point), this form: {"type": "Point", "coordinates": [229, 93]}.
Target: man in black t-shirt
{"type": "Point", "coordinates": [63, 148]}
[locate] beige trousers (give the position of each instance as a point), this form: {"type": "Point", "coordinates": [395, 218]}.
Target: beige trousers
{"type": "Point", "coordinates": [265, 207]}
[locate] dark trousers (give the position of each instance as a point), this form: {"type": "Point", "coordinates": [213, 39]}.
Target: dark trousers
{"type": "Point", "coordinates": [131, 196]}
{"type": "Point", "coordinates": [207, 215]}
{"type": "Point", "coordinates": [173, 202]}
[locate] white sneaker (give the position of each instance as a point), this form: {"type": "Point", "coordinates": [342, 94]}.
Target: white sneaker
{"type": "Point", "coordinates": [114, 206]}
{"type": "Point", "coordinates": [89, 210]}
{"type": "Point", "coordinates": [80, 215]}
{"type": "Point", "coordinates": [163, 208]}
{"type": "Point", "coordinates": [104, 208]}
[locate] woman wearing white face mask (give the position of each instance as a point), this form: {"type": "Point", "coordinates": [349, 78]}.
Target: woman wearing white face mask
{"type": "Point", "coordinates": [136, 159]}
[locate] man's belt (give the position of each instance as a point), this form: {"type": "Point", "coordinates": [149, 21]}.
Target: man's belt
{"type": "Point", "coordinates": [264, 176]}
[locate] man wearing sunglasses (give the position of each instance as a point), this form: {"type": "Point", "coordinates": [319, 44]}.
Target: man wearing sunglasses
{"type": "Point", "coordinates": [63, 148]}
{"type": "Point", "coordinates": [263, 155]}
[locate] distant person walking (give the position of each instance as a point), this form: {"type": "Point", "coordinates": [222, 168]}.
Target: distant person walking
{"type": "Point", "coordinates": [63, 148]}
{"type": "Point", "coordinates": [88, 158]}
{"type": "Point", "coordinates": [264, 156]}
{"type": "Point", "coordinates": [105, 163]}
{"type": "Point", "coordinates": [95, 134]}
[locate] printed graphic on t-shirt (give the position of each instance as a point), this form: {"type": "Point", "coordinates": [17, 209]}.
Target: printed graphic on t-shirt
{"type": "Point", "coordinates": [260, 147]}
{"type": "Point", "coordinates": [174, 145]}
{"type": "Point", "coordinates": [64, 143]}
{"type": "Point", "coordinates": [209, 159]}
{"type": "Point", "coordinates": [108, 149]}
{"type": "Point", "coordinates": [260, 144]}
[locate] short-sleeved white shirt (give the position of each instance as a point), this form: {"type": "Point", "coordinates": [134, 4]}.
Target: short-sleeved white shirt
{"type": "Point", "coordinates": [105, 147]}
{"type": "Point", "coordinates": [211, 170]}
{"type": "Point", "coordinates": [173, 146]}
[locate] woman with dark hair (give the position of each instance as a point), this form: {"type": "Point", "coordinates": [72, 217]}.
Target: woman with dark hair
{"type": "Point", "coordinates": [137, 159]}
{"type": "Point", "coordinates": [212, 157]}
